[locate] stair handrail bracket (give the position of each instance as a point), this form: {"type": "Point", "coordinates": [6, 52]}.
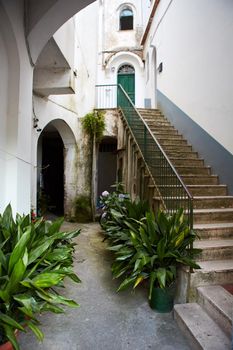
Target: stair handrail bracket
{"type": "Point", "coordinates": [170, 187]}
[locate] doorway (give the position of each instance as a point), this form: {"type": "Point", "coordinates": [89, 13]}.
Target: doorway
{"type": "Point", "coordinates": [126, 78]}
{"type": "Point", "coordinates": [107, 165]}
{"type": "Point", "coordinates": [50, 176]}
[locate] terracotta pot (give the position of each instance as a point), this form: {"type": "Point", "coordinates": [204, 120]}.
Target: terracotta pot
{"type": "Point", "coordinates": [6, 346]}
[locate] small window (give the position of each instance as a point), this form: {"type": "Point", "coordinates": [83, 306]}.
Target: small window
{"type": "Point", "coordinates": [126, 69]}
{"type": "Point", "coordinates": [126, 19]}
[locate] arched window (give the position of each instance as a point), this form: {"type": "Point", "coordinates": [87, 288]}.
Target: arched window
{"type": "Point", "coordinates": [126, 19]}
{"type": "Point", "coordinates": [126, 69]}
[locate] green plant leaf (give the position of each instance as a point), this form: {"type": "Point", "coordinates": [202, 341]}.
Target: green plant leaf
{"type": "Point", "coordinates": [55, 226]}
{"type": "Point", "coordinates": [126, 283]}
{"type": "Point", "coordinates": [19, 250]}
{"type": "Point", "coordinates": [38, 251]}
{"type": "Point", "coordinates": [38, 333]}
{"type": "Point", "coordinates": [56, 299]}
{"type": "Point", "coordinates": [47, 280]}
{"type": "Point", "coordinates": [11, 336]}
{"type": "Point", "coordinates": [10, 322]}
{"type": "Point", "coordinates": [15, 278]}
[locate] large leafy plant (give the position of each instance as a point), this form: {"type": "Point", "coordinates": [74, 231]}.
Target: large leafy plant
{"type": "Point", "coordinates": [158, 245]}
{"type": "Point", "coordinates": [35, 257]}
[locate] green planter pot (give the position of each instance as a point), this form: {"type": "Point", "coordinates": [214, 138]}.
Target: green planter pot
{"type": "Point", "coordinates": [162, 299]}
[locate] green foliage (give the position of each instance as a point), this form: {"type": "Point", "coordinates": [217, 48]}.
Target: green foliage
{"type": "Point", "coordinates": [94, 125]}
{"type": "Point", "coordinates": [35, 257]}
{"type": "Point", "coordinates": [147, 246]}
{"type": "Point", "coordinates": [83, 209]}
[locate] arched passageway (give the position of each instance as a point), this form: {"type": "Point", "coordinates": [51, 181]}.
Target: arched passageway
{"type": "Point", "coordinates": [56, 172]}
{"type": "Point", "coordinates": [50, 179]}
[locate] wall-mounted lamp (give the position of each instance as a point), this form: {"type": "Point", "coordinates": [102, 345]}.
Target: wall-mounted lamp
{"type": "Point", "coordinates": [160, 67]}
{"type": "Point", "coordinates": [35, 122]}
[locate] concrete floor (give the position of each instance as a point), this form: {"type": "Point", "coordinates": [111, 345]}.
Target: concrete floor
{"type": "Point", "coordinates": [106, 320]}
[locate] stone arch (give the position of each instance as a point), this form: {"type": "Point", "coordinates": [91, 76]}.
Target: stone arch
{"type": "Point", "coordinates": [128, 58]}
{"type": "Point", "coordinates": [69, 157]}
{"type": "Point", "coordinates": [9, 122]}
{"type": "Point", "coordinates": [45, 20]}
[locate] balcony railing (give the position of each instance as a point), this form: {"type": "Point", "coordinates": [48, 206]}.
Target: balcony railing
{"type": "Point", "coordinates": [172, 191]}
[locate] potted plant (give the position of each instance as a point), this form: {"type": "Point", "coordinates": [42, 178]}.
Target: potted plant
{"type": "Point", "coordinates": [35, 257]}
{"type": "Point", "coordinates": [161, 244]}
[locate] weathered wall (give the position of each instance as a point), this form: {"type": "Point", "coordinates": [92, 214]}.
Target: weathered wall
{"type": "Point", "coordinates": [3, 119]}
{"type": "Point", "coordinates": [117, 47]}
{"type": "Point", "coordinates": [193, 40]}
{"type": "Point", "coordinates": [76, 149]}
{"type": "Point", "coordinates": [18, 169]}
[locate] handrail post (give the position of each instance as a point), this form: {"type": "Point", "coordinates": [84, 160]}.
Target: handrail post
{"type": "Point", "coordinates": [145, 142]}
{"type": "Point", "coordinates": [170, 187]}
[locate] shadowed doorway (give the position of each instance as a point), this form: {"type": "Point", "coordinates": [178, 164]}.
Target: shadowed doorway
{"type": "Point", "coordinates": [51, 172]}
{"type": "Point", "coordinates": [107, 164]}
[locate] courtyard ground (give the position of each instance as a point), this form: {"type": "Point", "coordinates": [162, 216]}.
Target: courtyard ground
{"type": "Point", "coordinates": [106, 320]}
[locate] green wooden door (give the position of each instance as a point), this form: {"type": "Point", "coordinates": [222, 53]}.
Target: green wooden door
{"type": "Point", "coordinates": [127, 81]}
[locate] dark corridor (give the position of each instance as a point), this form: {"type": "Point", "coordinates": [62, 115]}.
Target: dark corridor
{"type": "Point", "coordinates": [107, 164]}
{"type": "Point", "coordinates": [52, 186]}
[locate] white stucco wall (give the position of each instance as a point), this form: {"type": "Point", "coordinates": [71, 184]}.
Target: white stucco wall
{"type": "Point", "coordinates": [16, 98]}
{"type": "Point", "coordinates": [3, 119]}
{"type": "Point", "coordinates": [193, 39]}
{"type": "Point", "coordinates": [116, 47]}
{"type": "Point", "coordinates": [85, 60]}
{"type": "Point", "coordinates": [65, 39]}
{"type": "Point", "coordinates": [68, 124]}
{"type": "Point", "coordinates": [18, 111]}
{"type": "Point", "coordinates": [113, 36]}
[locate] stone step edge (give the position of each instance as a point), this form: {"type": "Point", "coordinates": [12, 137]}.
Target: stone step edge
{"type": "Point", "coordinates": [214, 226]}
{"type": "Point", "coordinates": [221, 305]}
{"type": "Point", "coordinates": [212, 210]}
{"type": "Point", "coordinates": [213, 244]}
{"type": "Point", "coordinates": [200, 329]}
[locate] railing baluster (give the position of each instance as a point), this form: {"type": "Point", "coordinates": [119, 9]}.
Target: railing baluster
{"type": "Point", "coordinates": [174, 194]}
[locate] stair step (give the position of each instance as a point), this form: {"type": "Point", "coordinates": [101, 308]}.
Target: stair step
{"type": "Point", "coordinates": [161, 124]}
{"type": "Point", "coordinates": [155, 118]}
{"type": "Point", "coordinates": [200, 179]}
{"type": "Point", "coordinates": [164, 133]}
{"type": "Point", "coordinates": [215, 249]}
{"type": "Point", "coordinates": [178, 148]}
{"type": "Point", "coordinates": [218, 304]}
{"type": "Point", "coordinates": [182, 154]}
{"type": "Point", "coordinates": [149, 110]}
{"type": "Point", "coordinates": [188, 170]}
{"type": "Point", "coordinates": [201, 331]}
{"type": "Point", "coordinates": [211, 272]}
{"type": "Point", "coordinates": [169, 138]}
{"type": "Point", "coordinates": [208, 190]}
{"type": "Point", "coordinates": [187, 162]}
{"type": "Point", "coordinates": [212, 202]}
{"type": "Point", "coordinates": [202, 216]}
{"type": "Point", "coordinates": [214, 230]}
{"type": "Point", "coordinates": [173, 142]}
{"type": "Point", "coordinates": [167, 128]}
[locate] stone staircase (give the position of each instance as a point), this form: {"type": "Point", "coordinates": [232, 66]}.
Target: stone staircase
{"type": "Point", "coordinates": [209, 304]}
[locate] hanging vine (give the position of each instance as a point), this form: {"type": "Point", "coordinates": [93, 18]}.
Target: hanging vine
{"type": "Point", "coordinates": [94, 125]}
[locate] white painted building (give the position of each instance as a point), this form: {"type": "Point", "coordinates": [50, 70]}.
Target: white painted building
{"type": "Point", "coordinates": [179, 52]}
{"type": "Point", "coordinates": [188, 52]}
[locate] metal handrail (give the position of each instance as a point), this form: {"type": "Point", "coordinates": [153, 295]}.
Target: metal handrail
{"type": "Point", "coordinates": [170, 200]}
